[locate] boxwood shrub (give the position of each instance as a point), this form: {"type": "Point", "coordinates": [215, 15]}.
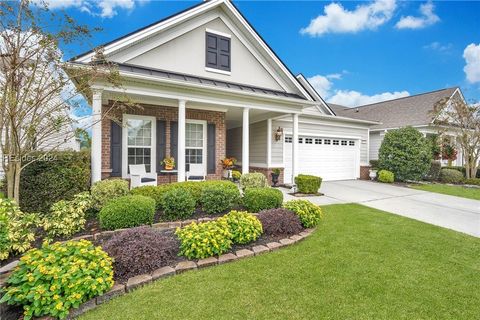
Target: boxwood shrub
{"type": "Point", "coordinates": [279, 222]}
{"type": "Point", "coordinates": [105, 190]}
{"type": "Point", "coordinates": [473, 181]}
{"type": "Point", "coordinates": [386, 176]}
{"type": "Point", "coordinates": [203, 240]}
{"type": "Point", "coordinates": [177, 203]}
{"type": "Point", "coordinates": [216, 198]}
{"type": "Point", "coordinates": [257, 199]}
{"type": "Point", "coordinates": [126, 212]}
{"type": "Point", "coordinates": [243, 226]}
{"type": "Point", "coordinates": [308, 184]}
{"type": "Point", "coordinates": [451, 176]}
{"type": "Point", "coordinates": [60, 276]}
{"type": "Point", "coordinates": [154, 192]}
{"type": "Point", "coordinates": [140, 250]}
{"type": "Point", "coordinates": [253, 180]}
{"type": "Point", "coordinates": [309, 213]}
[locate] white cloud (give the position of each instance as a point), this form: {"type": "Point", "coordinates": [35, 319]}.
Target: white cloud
{"type": "Point", "coordinates": [471, 54]}
{"type": "Point", "coordinates": [437, 46]}
{"type": "Point", "coordinates": [428, 18]}
{"type": "Point", "coordinates": [102, 8]}
{"type": "Point", "coordinates": [337, 19]}
{"type": "Point", "coordinates": [350, 98]}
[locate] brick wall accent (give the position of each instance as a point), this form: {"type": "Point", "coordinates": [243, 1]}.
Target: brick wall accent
{"type": "Point", "coordinates": [364, 173]}
{"type": "Point", "coordinates": [267, 172]}
{"type": "Point", "coordinates": [169, 114]}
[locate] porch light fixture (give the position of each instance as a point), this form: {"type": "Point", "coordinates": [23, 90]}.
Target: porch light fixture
{"type": "Point", "coordinates": [278, 134]}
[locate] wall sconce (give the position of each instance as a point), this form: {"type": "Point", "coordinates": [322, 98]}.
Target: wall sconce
{"type": "Point", "coordinates": [278, 134]}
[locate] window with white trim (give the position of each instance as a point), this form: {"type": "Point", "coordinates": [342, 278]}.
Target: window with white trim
{"type": "Point", "coordinates": [344, 142]}
{"type": "Point", "coordinates": [288, 139]}
{"type": "Point", "coordinates": [327, 141]}
{"type": "Point", "coordinates": [300, 140]}
{"type": "Point", "coordinates": [308, 140]}
{"type": "Point", "coordinates": [318, 141]}
{"type": "Point", "coordinates": [351, 143]}
{"type": "Point", "coordinates": [336, 142]}
{"type": "Point", "coordinates": [194, 142]}
{"type": "Point", "coordinates": [140, 142]}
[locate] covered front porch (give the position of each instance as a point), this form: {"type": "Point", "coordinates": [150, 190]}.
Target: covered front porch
{"type": "Point", "coordinates": [190, 125]}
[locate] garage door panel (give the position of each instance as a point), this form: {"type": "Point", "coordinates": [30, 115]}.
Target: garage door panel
{"type": "Point", "coordinates": [331, 162]}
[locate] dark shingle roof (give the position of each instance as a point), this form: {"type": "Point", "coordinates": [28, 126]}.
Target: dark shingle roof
{"type": "Point", "coordinates": [407, 111]}
{"type": "Point", "coordinates": [336, 108]}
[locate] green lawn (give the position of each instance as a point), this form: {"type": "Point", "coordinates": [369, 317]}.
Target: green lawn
{"type": "Point", "coordinates": [458, 191]}
{"type": "Point", "coordinates": [360, 263]}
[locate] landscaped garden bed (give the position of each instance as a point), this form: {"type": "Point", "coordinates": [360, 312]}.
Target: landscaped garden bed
{"type": "Point", "coordinates": [143, 231]}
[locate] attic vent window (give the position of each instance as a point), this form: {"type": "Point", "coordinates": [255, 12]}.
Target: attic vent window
{"type": "Point", "coordinates": [218, 51]}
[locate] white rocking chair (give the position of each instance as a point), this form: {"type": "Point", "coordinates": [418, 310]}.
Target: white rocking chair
{"type": "Point", "coordinates": [139, 176]}
{"type": "Point", "coordinates": [196, 172]}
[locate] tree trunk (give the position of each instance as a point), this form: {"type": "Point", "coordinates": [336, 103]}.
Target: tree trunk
{"type": "Point", "coordinates": [10, 178]}
{"type": "Point", "coordinates": [16, 187]}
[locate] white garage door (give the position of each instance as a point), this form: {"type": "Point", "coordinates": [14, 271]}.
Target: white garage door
{"type": "Point", "coordinates": [329, 158]}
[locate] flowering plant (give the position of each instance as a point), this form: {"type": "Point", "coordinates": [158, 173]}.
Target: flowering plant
{"type": "Point", "coordinates": [169, 162]}
{"type": "Point", "coordinates": [60, 276]}
{"type": "Point", "coordinates": [228, 163]}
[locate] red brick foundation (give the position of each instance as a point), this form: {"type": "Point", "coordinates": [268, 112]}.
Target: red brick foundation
{"type": "Point", "coordinates": [169, 114]}
{"type": "Point", "coordinates": [364, 173]}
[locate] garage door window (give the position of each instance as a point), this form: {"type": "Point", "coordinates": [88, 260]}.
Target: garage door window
{"type": "Point", "coordinates": [336, 142]}
{"type": "Point", "coordinates": [300, 140]}
{"type": "Point", "coordinates": [318, 141]}
{"type": "Point", "coordinates": [351, 143]}
{"type": "Point", "coordinates": [308, 140]}
{"type": "Point", "coordinates": [288, 139]}
{"type": "Point", "coordinates": [327, 141]}
{"type": "Point", "coordinates": [344, 142]}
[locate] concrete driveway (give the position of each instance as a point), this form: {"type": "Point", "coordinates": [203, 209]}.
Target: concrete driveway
{"type": "Point", "coordinates": [450, 212]}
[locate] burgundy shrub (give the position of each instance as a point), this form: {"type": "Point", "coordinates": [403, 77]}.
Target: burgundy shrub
{"type": "Point", "coordinates": [140, 250]}
{"type": "Point", "coordinates": [279, 222]}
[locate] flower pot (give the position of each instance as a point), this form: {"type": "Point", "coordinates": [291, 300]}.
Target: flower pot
{"type": "Point", "coordinates": [372, 174]}
{"type": "Point", "coordinates": [227, 174]}
{"type": "Point", "coordinates": [274, 179]}
{"type": "Point", "coordinates": [168, 167]}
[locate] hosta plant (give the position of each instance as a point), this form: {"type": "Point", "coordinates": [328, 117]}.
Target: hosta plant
{"type": "Point", "coordinates": [203, 240]}
{"type": "Point", "coordinates": [16, 228]}
{"type": "Point", "coordinates": [310, 214]}
{"type": "Point", "coordinates": [60, 276]}
{"type": "Point", "coordinates": [243, 226]}
{"type": "Point", "coordinates": [67, 217]}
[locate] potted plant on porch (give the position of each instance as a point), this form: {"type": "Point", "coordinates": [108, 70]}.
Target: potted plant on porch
{"type": "Point", "coordinates": [372, 172]}
{"type": "Point", "coordinates": [228, 164]}
{"type": "Point", "coordinates": [275, 174]}
{"type": "Point", "coordinates": [168, 163]}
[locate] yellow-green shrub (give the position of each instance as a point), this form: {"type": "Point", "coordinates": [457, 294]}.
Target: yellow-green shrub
{"type": "Point", "coordinates": [60, 276]}
{"type": "Point", "coordinates": [310, 214]}
{"type": "Point", "coordinates": [203, 240]}
{"type": "Point", "coordinates": [105, 190]}
{"type": "Point", "coordinates": [16, 228]}
{"type": "Point", "coordinates": [243, 226]}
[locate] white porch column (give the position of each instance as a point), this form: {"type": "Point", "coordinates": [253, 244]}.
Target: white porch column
{"type": "Point", "coordinates": [96, 150]}
{"type": "Point", "coordinates": [295, 147]}
{"type": "Point", "coordinates": [245, 141]}
{"type": "Point", "coordinates": [181, 141]}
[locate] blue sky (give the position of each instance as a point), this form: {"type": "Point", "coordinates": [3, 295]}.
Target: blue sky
{"type": "Point", "coordinates": [353, 52]}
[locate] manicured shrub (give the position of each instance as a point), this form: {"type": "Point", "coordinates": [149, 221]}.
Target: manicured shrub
{"type": "Point", "coordinates": [309, 213]}
{"type": "Point", "coordinates": [257, 199]}
{"type": "Point", "coordinates": [434, 171]}
{"type": "Point", "coordinates": [386, 176]}
{"type": "Point", "coordinates": [451, 176]}
{"type": "Point", "coordinates": [140, 250]}
{"type": "Point", "coordinates": [462, 170]}
{"type": "Point", "coordinates": [16, 228]}
{"type": "Point", "coordinates": [253, 180]}
{"type": "Point", "coordinates": [67, 217]}
{"type": "Point", "coordinates": [154, 192]}
{"type": "Point", "coordinates": [193, 187]}
{"type": "Point", "coordinates": [203, 240]}
{"type": "Point", "coordinates": [217, 198]}
{"type": "Point", "coordinates": [279, 222]}
{"type": "Point", "coordinates": [178, 203]}
{"type": "Point", "coordinates": [307, 183]}
{"type": "Point", "coordinates": [406, 153]}
{"type": "Point", "coordinates": [60, 276]}
{"type": "Point", "coordinates": [127, 212]}
{"type": "Point", "coordinates": [244, 227]}
{"type": "Point", "coordinates": [106, 190]}
{"type": "Point", "coordinates": [473, 181]}
{"type": "Point", "coordinates": [58, 175]}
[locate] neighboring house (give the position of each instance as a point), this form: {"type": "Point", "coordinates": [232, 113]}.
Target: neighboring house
{"type": "Point", "coordinates": [210, 87]}
{"type": "Point", "coordinates": [416, 111]}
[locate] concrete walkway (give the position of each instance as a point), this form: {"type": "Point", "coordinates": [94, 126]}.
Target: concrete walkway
{"type": "Point", "coordinates": [450, 212]}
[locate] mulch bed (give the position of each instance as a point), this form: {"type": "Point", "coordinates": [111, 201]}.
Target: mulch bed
{"type": "Point", "coordinates": [302, 195]}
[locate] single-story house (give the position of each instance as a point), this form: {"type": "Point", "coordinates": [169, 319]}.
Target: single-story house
{"type": "Point", "coordinates": [210, 87]}
{"type": "Point", "coordinates": [416, 111]}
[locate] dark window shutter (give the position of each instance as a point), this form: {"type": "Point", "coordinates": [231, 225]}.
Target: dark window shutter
{"type": "Point", "coordinates": [211, 152]}
{"type": "Point", "coordinates": [161, 143]}
{"type": "Point", "coordinates": [174, 140]}
{"type": "Point", "coordinates": [217, 52]}
{"type": "Point", "coordinates": [116, 149]}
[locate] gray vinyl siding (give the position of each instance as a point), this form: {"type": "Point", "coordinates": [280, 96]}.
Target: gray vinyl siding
{"type": "Point", "coordinates": [327, 128]}
{"type": "Point", "coordinates": [257, 143]}
{"type": "Point", "coordinates": [375, 142]}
